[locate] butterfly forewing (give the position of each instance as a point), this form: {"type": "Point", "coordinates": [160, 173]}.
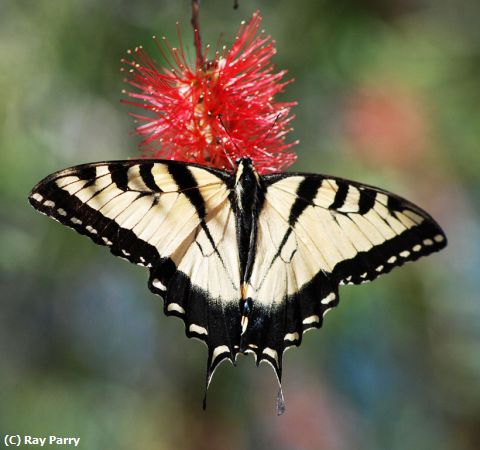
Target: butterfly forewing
{"type": "Point", "coordinates": [355, 232]}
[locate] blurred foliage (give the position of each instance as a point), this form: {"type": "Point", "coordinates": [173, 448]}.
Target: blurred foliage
{"type": "Point", "coordinates": [388, 93]}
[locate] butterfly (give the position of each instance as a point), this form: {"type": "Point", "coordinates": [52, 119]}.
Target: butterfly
{"type": "Point", "coordinates": [249, 262]}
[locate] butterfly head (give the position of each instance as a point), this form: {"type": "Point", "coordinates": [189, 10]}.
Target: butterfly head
{"type": "Point", "coordinates": [243, 161]}
{"type": "Point", "coordinates": [245, 170]}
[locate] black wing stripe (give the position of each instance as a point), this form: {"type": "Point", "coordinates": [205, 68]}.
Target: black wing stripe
{"type": "Point", "coordinates": [366, 202]}
{"type": "Point", "coordinates": [340, 195]}
{"type": "Point", "coordinates": [306, 192]}
{"type": "Point", "coordinates": [119, 176]}
{"type": "Point", "coordinates": [147, 177]}
{"type": "Point", "coordinates": [394, 204]}
{"type": "Point", "coordinates": [87, 173]}
{"type": "Point", "coordinates": [187, 184]}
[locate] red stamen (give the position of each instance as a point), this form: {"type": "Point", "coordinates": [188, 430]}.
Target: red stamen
{"type": "Point", "coordinates": [184, 103]}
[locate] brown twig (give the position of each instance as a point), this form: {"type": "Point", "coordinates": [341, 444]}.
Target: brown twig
{"type": "Point", "coordinates": [197, 40]}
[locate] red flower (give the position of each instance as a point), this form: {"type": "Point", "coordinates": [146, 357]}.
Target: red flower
{"type": "Point", "coordinates": [219, 110]}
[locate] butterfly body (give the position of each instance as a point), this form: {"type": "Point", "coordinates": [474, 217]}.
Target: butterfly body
{"type": "Point", "coordinates": [248, 262]}
{"type": "Point", "coordinates": [248, 198]}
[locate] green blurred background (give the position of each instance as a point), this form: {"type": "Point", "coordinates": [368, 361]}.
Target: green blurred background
{"type": "Point", "coordinates": [388, 93]}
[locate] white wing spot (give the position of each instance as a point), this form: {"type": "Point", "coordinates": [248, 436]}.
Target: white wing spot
{"type": "Point", "coordinates": [197, 329]}
{"type": "Point", "coordinates": [392, 259]}
{"type": "Point", "coordinates": [427, 242]}
{"type": "Point", "coordinates": [311, 319]}
{"type": "Point", "coordinates": [438, 238]}
{"type": "Point", "coordinates": [125, 253]}
{"type": "Point", "coordinates": [37, 197]}
{"type": "Point", "coordinates": [107, 241]}
{"type": "Point", "coordinates": [49, 203]}
{"type": "Point", "coordinates": [328, 299]}
{"type": "Point", "coordinates": [218, 351]}
{"type": "Point", "coordinates": [75, 220]}
{"type": "Point", "coordinates": [417, 248]}
{"type": "Point", "coordinates": [62, 212]}
{"type": "Point", "coordinates": [159, 285]}
{"type": "Point", "coordinates": [253, 345]}
{"type": "Point", "coordinates": [379, 268]}
{"type": "Point", "coordinates": [363, 275]}
{"type": "Point", "coordinates": [91, 229]}
{"type": "Point", "coordinates": [271, 352]}
{"type": "Point", "coordinates": [291, 337]}
{"type": "Point", "coordinates": [405, 254]}
{"type": "Point", "coordinates": [175, 307]}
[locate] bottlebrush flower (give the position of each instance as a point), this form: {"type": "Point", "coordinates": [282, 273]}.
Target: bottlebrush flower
{"type": "Point", "coordinates": [218, 106]}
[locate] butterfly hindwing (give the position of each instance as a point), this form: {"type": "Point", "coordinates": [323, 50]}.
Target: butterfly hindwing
{"type": "Point", "coordinates": [176, 219]}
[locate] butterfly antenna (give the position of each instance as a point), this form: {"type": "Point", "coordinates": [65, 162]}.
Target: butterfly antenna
{"type": "Point", "coordinates": [264, 152]}
{"type": "Point", "coordinates": [271, 128]}
{"type": "Point", "coordinates": [231, 140]}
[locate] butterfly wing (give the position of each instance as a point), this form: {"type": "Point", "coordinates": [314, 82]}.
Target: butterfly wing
{"type": "Point", "coordinates": [314, 233]}
{"type": "Point", "coordinates": [174, 218]}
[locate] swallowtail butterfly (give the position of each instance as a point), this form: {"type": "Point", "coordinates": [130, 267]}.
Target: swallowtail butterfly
{"type": "Point", "coordinates": [248, 262]}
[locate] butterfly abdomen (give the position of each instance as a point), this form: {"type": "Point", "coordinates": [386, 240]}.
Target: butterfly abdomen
{"type": "Point", "coordinates": [248, 199]}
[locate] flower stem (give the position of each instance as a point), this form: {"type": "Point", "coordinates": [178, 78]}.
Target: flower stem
{"type": "Point", "coordinates": [197, 40]}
